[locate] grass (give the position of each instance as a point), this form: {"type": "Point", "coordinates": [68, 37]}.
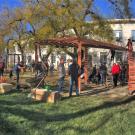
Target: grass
{"type": "Point", "coordinates": [84, 115]}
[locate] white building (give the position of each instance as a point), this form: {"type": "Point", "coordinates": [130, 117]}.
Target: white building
{"type": "Point", "coordinates": [123, 30]}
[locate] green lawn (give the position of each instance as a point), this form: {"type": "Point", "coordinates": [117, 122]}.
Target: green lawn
{"type": "Point", "coordinates": [82, 115]}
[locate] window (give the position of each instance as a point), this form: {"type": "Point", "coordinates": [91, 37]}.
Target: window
{"type": "Point", "coordinates": [133, 35]}
{"type": "Point", "coordinates": [29, 58]}
{"type": "Point", "coordinates": [103, 57]}
{"type": "Point", "coordinates": [53, 58]}
{"type": "Point", "coordinates": [118, 35]}
{"type": "Point", "coordinates": [118, 56]}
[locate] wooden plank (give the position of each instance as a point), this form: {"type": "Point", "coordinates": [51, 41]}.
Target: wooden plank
{"type": "Point", "coordinates": [131, 89]}
{"type": "Point", "coordinates": [80, 64]}
{"type": "Point", "coordinates": [131, 82]}
{"type": "Point", "coordinates": [132, 73]}
{"type": "Point", "coordinates": [132, 64]}
{"type": "Point", "coordinates": [86, 65]}
{"type": "Point", "coordinates": [131, 78]}
{"type": "Point", "coordinates": [131, 69]}
{"type": "Point", "coordinates": [131, 85]}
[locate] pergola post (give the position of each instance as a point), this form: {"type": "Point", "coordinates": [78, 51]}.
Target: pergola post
{"type": "Point", "coordinates": [86, 65]}
{"type": "Point", "coordinates": [131, 68]}
{"type": "Point", "coordinates": [80, 64]}
{"type": "Point", "coordinates": [36, 53]}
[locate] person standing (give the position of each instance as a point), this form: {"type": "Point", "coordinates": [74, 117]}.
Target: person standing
{"type": "Point", "coordinates": [74, 73]}
{"type": "Point", "coordinates": [62, 73]}
{"type": "Point", "coordinates": [2, 66]}
{"type": "Point", "coordinates": [103, 73]}
{"type": "Point", "coordinates": [51, 69]}
{"type": "Point", "coordinates": [11, 73]}
{"type": "Point", "coordinates": [112, 54]}
{"type": "Point", "coordinates": [93, 74]}
{"type": "Point", "coordinates": [33, 66]}
{"type": "Point", "coordinates": [46, 66]}
{"type": "Point", "coordinates": [18, 67]}
{"type": "Point", "coordinates": [123, 74]}
{"type": "Point", "coordinates": [115, 73]}
{"type": "Point", "coordinates": [98, 77]}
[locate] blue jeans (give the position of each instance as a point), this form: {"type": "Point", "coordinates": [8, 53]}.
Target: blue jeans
{"type": "Point", "coordinates": [72, 80]}
{"type": "Point", "coordinates": [103, 78]}
{"type": "Point", "coordinates": [1, 72]}
{"type": "Point", "coordinates": [61, 84]}
{"type": "Point", "coordinates": [17, 77]}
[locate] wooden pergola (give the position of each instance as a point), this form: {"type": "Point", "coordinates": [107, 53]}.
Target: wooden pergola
{"type": "Point", "coordinates": [79, 43]}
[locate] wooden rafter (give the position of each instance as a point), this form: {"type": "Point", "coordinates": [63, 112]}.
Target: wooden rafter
{"type": "Point", "coordinates": [74, 41]}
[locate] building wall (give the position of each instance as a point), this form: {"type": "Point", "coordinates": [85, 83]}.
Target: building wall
{"type": "Point", "coordinates": [126, 31]}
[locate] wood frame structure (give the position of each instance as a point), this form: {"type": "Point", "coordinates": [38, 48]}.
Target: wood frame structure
{"type": "Point", "coordinates": [78, 43]}
{"type": "Point", "coordinates": [131, 68]}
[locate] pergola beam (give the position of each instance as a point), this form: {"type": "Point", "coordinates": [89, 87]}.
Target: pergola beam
{"type": "Point", "coordinates": [74, 41]}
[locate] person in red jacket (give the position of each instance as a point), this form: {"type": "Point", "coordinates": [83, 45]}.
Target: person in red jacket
{"type": "Point", "coordinates": [115, 72]}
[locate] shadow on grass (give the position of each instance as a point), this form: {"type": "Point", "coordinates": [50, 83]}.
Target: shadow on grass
{"type": "Point", "coordinates": [39, 116]}
{"type": "Point", "coordinates": [7, 127]}
{"type": "Point", "coordinates": [11, 92]}
{"type": "Point", "coordinates": [25, 102]}
{"type": "Point", "coordinates": [90, 92]}
{"type": "Point", "coordinates": [86, 130]}
{"type": "Point", "coordinates": [95, 91]}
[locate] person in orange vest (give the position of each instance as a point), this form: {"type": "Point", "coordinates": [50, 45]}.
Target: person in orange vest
{"type": "Point", "coordinates": [115, 72]}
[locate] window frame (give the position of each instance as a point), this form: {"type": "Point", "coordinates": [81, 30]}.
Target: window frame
{"type": "Point", "coordinates": [120, 38]}
{"type": "Point", "coordinates": [103, 60]}
{"type": "Point", "coordinates": [133, 31]}
{"type": "Point", "coordinates": [53, 58]}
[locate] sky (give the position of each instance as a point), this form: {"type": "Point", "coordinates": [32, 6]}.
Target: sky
{"type": "Point", "coordinates": [10, 3]}
{"type": "Point", "coordinates": [103, 6]}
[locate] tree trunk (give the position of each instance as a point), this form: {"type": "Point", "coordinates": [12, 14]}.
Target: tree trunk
{"type": "Point", "coordinates": [22, 55]}
{"type": "Point", "coordinates": [47, 55]}
{"type": "Point", "coordinates": [72, 54]}
{"type": "Point", "coordinates": [22, 52]}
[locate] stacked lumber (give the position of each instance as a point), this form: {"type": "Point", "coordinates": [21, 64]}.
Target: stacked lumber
{"type": "Point", "coordinates": [45, 96]}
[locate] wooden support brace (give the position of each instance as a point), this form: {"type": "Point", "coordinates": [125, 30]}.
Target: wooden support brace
{"type": "Point", "coordinates": [80, 64]}
{"type": "Point", "coordinates": [131, 68]}
{"type": "Point", "coordinates": [36, 53]}
{"type": "Point", "coordinates": [86, 65]}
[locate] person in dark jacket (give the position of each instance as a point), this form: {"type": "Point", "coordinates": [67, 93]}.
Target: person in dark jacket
{"type": "Point", "coordinates": [103, 73]}
{"type": "Point", "coordinates": [123, 74]}
{"type": "Point", "coordinates": [93, 74]}
{"type": "Point", "coordinates": [112, 54]}
{"type": "Point", "coordinates": [17, 69]}
{"type": "Point", "coordinates": [2, 66]}
{"type": "Point", "coordinates": [74, 70]}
